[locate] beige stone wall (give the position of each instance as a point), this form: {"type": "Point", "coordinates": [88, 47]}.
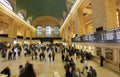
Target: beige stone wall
{"type": "Point", "coordinates": [89, 28]}
{"type": "Point", "coordinates": [104, 13]}
{"type": "Point", "coordinates": [111, 14]}
{"type": "Point", "coordinates": [81, 24]}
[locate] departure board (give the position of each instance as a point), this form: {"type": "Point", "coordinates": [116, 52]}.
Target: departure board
{"type": "Point", "coordinates": [109, 35]}
{"type": "Point", "coordinates": [118, 34]}
{"type": "Point", "coordinates": [91, 37]}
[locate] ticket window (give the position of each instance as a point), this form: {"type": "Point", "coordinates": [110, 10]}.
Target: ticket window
{"type": "Point", "coordinates": [91, 50]}
{"type": "Point", "coordinates": [109, 53]}
{"type": "Point", "coordinates": [98, 51]}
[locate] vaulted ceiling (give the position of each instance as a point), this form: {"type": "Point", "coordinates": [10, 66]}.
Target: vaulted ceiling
{"type": "Point", "coordinates": [37, 8]}
{"type": "Point", "coordinates": [54, 8]}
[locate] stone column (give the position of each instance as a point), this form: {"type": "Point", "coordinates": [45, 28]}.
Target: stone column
{"type": "Point", "coordinates": [66, 33]}
{"type": "Point", "coordinates": [116, 55]}
{"type": "Point", "coordinates": [43, 32]}
{"type": "Point", "coordinates": [81, 24]}
{"type": "Point", "coordinates": [24, 31]}
{"type": "Point", "coordinates": [13, 29]}
{"type": "Point", "coordinates": [52, 31]}
{"type": "Point", "coordinates": [30, 34]}
{"type": "Point", "coordinates": [119, 17]}
{"type": "Point", "coordinates": [0, 26]}
{"type": "Point", "coordinates": [76, 23]}
{"type": "Point", "coordinates": [104, 14]}
{"type": "Point", "coordinates": [62, 34]}
{"type": "Point", "coordinates": [71, 30]}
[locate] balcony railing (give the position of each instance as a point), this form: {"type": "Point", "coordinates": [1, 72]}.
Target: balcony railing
{"type": "Point", "coordinates": [107, 36]}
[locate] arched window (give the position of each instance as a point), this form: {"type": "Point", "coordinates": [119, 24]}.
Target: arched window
{"type": "Point", "coordinates": [56, 31]}
{"type": "Point", "coordinates": [39, 31]}
{"type": "Point", "coordinates": [7, 4]}
{"type": "Point", "coordinates": [20, 14]}
{"type": "Point", "coordinates": [48, 31]}
{"type": "Point", "coordinates": [28, 21]}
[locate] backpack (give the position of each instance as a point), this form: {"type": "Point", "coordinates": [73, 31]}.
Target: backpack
{"type": "Point", "coordinates": [89, 74]}
{"type": "Point", "coordinates": [94, 72]}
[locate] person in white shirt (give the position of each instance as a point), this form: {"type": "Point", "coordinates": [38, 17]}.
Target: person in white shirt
{"type": "Point", "coordinates": [85, 64]}
{"type": "Point", "coordinates": [86, 71]}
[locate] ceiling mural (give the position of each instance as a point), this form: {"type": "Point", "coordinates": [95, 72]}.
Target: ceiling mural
{"type": "Point", "coordinates": [37, 8]}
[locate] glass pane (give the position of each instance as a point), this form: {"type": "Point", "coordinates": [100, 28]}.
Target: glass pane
{"type": "Point", "coordinates": [21, 15]}
{"type": "Point", "coordinates": [48, 31]}
{"type": "Point", "coordinates": [56, 31]}
{"type": "Point", "coordinates": [28, 21]}
{"type": "Point", "coordinates": [39, 31]}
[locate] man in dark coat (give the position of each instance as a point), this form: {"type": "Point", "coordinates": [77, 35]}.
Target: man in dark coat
{"type": "Point", "coordinates": [101, 60]}
{"type": "Point", "coordinates": [6, 71]}
{"type": "Point", "coordinates": [93, 71]}
{"type": "Point", "coordinates": [63, 57]}
{"type": "Point", "coordinates": [28, 71]}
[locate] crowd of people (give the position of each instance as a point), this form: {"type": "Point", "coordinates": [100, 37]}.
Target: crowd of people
{"type": "Point", "coordinates": [72, 70]}
{"type": "Point", "coordinates": [11, 53]}
{"type": "Point", "coordinates": [42, 53]}
{"type": "Point", "coordinates": [47, 53]}
{"type": "Point", "coordinates": [26, 71]}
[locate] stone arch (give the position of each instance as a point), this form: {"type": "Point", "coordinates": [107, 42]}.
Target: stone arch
{"type": "Point", "coordinates": [30, 19]}
{"type": "Point", "coordinates": [46, 20]}
{"type": "Point", "coordinates": [7, 4]}
{"type": "Point", "coordinates": [24, 12]}
{"type": "Point", "coordinates": [13, 4]}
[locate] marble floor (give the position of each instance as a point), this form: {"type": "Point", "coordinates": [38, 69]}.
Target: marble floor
{"type": "Point", "coordinates": [47, 69]}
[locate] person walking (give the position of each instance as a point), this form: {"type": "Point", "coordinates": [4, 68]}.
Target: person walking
{"type": "Point", "coordinates": [63, 57]}
{"type": "Point", "coordinates": [53, 56]}
{"type": "Point", "coordinates": [21, 70]}
{"type": "Point", "coordinates": [85, 64]}
{"type": "Point", "coordinates": [93, 71]}
{"type": "Point", "coordinates": [101, 60]}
